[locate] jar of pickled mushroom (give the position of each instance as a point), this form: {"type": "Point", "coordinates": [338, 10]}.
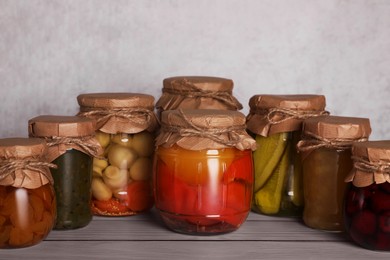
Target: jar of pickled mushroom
{"type": "Point", "coordinates": [196, 92]}
{"type": "Point", "coordinates": [204, 175]}
{"type": "Point", "coordinates": [367, 201]}
{"type": "Point", "coordinates": [122, 175]}
{"type": "Point", "coordinates": [326, 161]}
{"type": "Point", "coordinates": [72, 145]}
{"type": "Point", "coordinates": [276, 123]}
{"type": "Point", "coordinates": [27, 197]}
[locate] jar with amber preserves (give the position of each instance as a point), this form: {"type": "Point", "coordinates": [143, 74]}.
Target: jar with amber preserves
{"type": "Point", "coordinates": [27, 198]}
{"type": "Point", "coordinates": [367, 201]}
{"type": "Point", "coordinates": [326, 159]}
{"type": "Point", "coordinates": [197, 92]}
{"type": "Point", "coordinates": [72, 145]}
{"type": "Point", "coordinates": [122, 174]}
{"type": "Point", "coordinates": [204, 175]}
{"type": "Point", "coordinates": [276, 122]}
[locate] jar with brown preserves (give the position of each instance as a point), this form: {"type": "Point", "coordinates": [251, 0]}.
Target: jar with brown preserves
{"type": "Point", "coordinates": [122, 176]}
{"type": "Point", "coordinates": [72, 145]}
{"type": "Point", "coordinates": [367, 201]}
{"type": "Point", "coordinates": [326, 159]}
{"type": "Point", "coordinates": [276, 122]}
{"type": "Point", "coordinates": [27, 197]}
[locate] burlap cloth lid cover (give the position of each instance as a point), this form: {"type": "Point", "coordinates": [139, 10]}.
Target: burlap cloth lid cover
{"type": "Point", "coordinates": [271, 114]}
{"type": "Point", "coordinates": [334, 132]}
{"type": "Point", "coordinates": [371, 163]}
{"type": "Point", "coordinates": [23, 163]}
{"type": "Point", "coordinates": [65, 132]}
{"type": "Point", "coordinates": [197, 92]}
{"type": "Point", "coordinates": [200, 129]}
{"type": "Point", "coordinates": [119, 112]}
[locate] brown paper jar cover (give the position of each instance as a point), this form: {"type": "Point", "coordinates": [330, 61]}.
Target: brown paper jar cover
{"type": "Point", "coordinates": [197, 92]}
{"type": "Point", "coordinates": [371, 163]}
{"type": "Point", "coordinates": [198, 129]}
{"type": "Point", "coordinates": [23, 163]}
{"type": "Point", "coordinates": [119, 112]}
{"type": "Point", "coordinates": [65, 132]}
{"type": "Point", "coordinates": [271, 114]}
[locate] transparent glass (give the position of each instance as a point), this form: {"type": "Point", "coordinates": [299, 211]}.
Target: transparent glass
{"type": "Point", "coordinates": [367, 216]}
{"type": "Point", "coordinates": [278, 175]}
{"type": "Point", "coordinates": [324, 172]}
{"type": "Point", "coordinates": [26, 215]}
{"type": "Point", "coordinates": [122, 178]}
{"type": "Point", "coordinates": [203, 192]}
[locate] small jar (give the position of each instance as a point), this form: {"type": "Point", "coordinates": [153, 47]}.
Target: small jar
{"type": "Point", "coordinates": [203, 176]}
{"type": "Point", "coordinates": [122, 176]}
{"type": "Point", "coordinates": [27, 197]}
{"type": "Point", "coordinates": [72, 145]}
{"type": "Point", "coordinates": [276, 123]}
{"type": "Point", "coordinates": [195, 92]}
{"type": "Point", "coordinates": [326, 159]}
{"type": "Point", "coordinates": [367, 201]}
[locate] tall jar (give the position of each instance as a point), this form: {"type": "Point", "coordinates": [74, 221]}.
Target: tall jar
{"type": "Point", "coordinates": [27, 198]}
{"type": "Point", "coordinates": [203, 176]}
{"type": "Point", "coordinates": [276, 123]}
{"type": "Point", "coordinates": [122, 176]}
{"type": "Point", "coordinates": [326, 159]}
{"type": "Point", "coordinates": [72, 145]}
{"type": "Point", "coordinates": [196, 92]}
{"type": "Point", "coordinates": [367, 201]}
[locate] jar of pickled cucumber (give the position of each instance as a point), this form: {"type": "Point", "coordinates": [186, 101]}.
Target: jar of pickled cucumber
{"type": "Point", "coordinates": [195, 92]}
{"type": "Point", "coordinates": [326, 160]}
{"type": "Point", "coordinates": [367, 200]}
{"type": "Point", "coordinates": [203, 177]}
{"type": "Point", "coordinates": [72, 145]}
{"type": "Point", "coordinates": [122, 175]}
{"type": "Point", "coordinates": [276, 122]}
{"type": "Point", "coordinates": [27, 197]}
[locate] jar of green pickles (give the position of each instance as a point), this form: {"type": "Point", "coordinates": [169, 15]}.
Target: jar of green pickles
{"type": "Point", "coordinates": [203, 171]}
{"type": "Point", "coordinates": [276, 122]}
{"type": "Point", "coordinates": [122, 176]}
{"type": "Point", "coordinates": [27, 197]}
{"type": "Point", "coordinates": [326, 159]}
{"type": "Point", "coordinates": [367, 200]}
{"type": "Point", "coordinates": [197, 92]}
{"type": "Point", "coordinates": [72, 145]}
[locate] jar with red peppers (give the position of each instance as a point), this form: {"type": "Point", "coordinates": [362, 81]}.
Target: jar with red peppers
{"type": "Point", "coordinates": [203, 178]}
{"type": "Point", "coordinates": [197, 92]}
{"type": "Point", "coordinates": [326, 160]}
{"type": "Point", "coordinates": [122, 174]}
{"type": "Point", "coordinates": [367, 201]}
{"type": "Point", "coordinates": [27, 197]}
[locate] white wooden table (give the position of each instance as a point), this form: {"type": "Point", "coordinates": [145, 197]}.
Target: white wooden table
{"type": "Point", "coordinates": [145, 237]}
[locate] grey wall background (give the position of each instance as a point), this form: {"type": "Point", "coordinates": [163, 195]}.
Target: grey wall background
{"type": "Point", "coordinates": [53, 50]}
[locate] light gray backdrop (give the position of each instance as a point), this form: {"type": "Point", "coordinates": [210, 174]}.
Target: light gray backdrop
{"type": "Point", "coordinates": [53, 50]}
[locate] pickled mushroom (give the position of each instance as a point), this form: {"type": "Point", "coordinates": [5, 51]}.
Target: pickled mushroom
{"type": "Point", "coordinates": [102, 138]}
{"type": "Point", "coordinates": [121, 156]}
{"type": "Point", "coordinates": [100, 190]}
{"type": "Point", "coordinates": [143, 143]}
{"type": "Point", "coordinates": [141, 169]}
{"type": "Point", "coordinates": [114, 177]}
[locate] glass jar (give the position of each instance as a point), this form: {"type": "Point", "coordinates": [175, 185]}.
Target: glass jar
{"type": "Point", "coordinates": [276, 122]}
{"type": "Point", "coordinates": [122, 177]}
{"type": "Point", "coordinates": [203, 177]}
{"type": "Point", "coordinates": [27, 198]}
{"type": "Point", "coordinates": [367, 200]}
{"type": "Point", "coordinates": [326, 160]}
{"type": "Point", "coordinates": [72, 145]}
{"type": "Point", "coordinates": [195, 92]}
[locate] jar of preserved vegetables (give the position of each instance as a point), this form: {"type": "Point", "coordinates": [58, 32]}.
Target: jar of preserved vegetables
{"type": "Point", "coordinates": [126, 125]}
{"type": "Point", "coordinates": [203, 176]}
{"type": "Point", "coordinates": [367, 201]}
{"type": "Point", "coordinates": [276, 122]}
{"type": "Point", "coordinates": [195, 92]}
{"type": "Point", "coordinates": [27, 198]}
{"type": "Point", "coordinates": [326, 160]}
{"type": "Point", "coordinates": [72, 145]}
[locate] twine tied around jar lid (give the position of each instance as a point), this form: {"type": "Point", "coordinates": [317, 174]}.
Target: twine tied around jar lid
{"type": "Point", "coordinates": [280, 115]}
